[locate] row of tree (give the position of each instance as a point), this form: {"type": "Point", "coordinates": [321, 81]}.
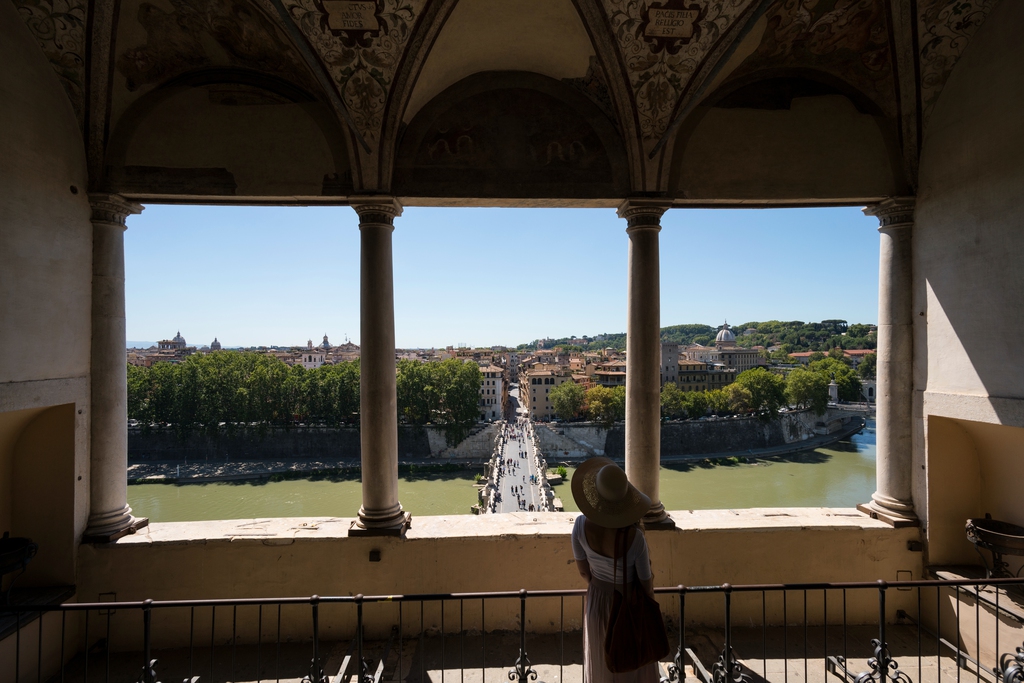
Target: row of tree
{"type": "Point", "coordinates": [758, 392]}
{"type": "Point", "coordinates": [600, 404]}
{"type": "Point", "coordinates": [229, 388]}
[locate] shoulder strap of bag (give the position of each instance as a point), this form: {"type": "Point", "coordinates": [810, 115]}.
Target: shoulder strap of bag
{"type": "Point", "coordinates": [625, 565]}
{"type": "Point", "coordinates": [615, 559]}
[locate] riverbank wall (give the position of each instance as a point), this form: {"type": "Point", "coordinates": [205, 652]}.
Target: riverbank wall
{"type": "Point", "coordinates": [291, 443]}
{"type": "Point", "coordinates": [558, 441]}
{"type": "Point", "coordinates": [693, 438]}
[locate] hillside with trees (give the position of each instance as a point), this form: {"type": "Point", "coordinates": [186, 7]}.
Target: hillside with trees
{"type": "Point", "coordinates": [793, 336]}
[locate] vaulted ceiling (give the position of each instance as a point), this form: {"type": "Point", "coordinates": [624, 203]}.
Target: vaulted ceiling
{"type": "Point", "coordinates": [476, 101]}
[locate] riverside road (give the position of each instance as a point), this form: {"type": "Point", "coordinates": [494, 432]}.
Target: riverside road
{"type": "Point", "coordinates": [517, 469]}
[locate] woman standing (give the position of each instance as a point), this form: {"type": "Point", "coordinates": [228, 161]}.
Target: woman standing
{"type": "Point", "coordinates": [610, 507]}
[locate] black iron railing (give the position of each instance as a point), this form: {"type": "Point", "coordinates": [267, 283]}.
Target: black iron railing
{"type": "Point", "coordinates": [923, 625]}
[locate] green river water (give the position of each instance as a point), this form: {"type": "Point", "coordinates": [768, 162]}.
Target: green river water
{"type": "Point", "coordinates": [840, 475]}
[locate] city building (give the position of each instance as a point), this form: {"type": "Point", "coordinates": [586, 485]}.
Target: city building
{"type": "Point", "coordinates": [215, 345]}
{"type": "Point", "coordinates": [611, 374]}
{"type": "Point", "coordinates": [691, 375]}
{"type": "Point", "coordinates": [492, 388]}
{"type": "Point", "coordinates": [535, 392]}
{"type": "Point", "coordinates": [176, 344]}
{"type": "Point", "coordinates": [726, 352]}
{"type": "Point", "coordinates": [312, 357]}
{"type": "Point", "coordinates": [669, 363]}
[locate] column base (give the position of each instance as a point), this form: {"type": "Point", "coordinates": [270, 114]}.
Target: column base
{"type": "Point", "coordinates": [657, 518]}
{"type": "Point", "coordinates": [398, 528]}
{"type": "Point", "coordinates": [896, 519]}
{"type": "Point", "coordinates": [111, 535]}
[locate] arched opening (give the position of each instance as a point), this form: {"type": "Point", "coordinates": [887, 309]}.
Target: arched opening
{"type": "Point", "coordinates": [786, 136]}
{"type": "Point", "coordinates": [228, 133]}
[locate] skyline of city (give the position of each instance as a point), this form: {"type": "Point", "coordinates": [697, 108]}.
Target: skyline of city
{"type": "Point", "coordinates": [253, 276]}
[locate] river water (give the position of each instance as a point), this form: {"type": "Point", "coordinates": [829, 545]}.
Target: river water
{"type": "Point", "coordinates": [840, 475]}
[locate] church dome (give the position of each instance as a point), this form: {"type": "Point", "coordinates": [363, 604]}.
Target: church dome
{"type": "Point", "coordinates": [725, 335]}
{"type": "Point", "coordinates": [215, 346]}
{"type": "Point", "coordinates": [178, 338]}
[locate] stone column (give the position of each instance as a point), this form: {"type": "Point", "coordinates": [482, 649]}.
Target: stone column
{"type": "Point", "coordinates": [892, 500]}
{"type": "Point", "coordinates": [109, 515]}
{"type": "Point", "coordinates": [381, 513]}
{"type": "Point", "coordinates": [643, 352]}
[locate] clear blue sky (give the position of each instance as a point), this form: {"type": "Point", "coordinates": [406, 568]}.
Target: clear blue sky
{"type": "Point", "coordinates": [277, 275]}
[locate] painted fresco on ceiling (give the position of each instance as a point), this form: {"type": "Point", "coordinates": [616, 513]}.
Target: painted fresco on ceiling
{"type": "Point", "coordinates": [663, 44]}
{"type": "Point", "coordinates": [360, 44]}
{"type": "Point", "coordinates": [945, 27]}
{"type": "Point", "coordinates": [59, 26]}
{"type": "Point", "coordinates": [846, 39]}
{"type": "Point", "coordinates": [197, 34]}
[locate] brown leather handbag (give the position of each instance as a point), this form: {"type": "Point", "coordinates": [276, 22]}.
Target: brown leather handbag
{"type": "Point", "coordinates": [636, 632]}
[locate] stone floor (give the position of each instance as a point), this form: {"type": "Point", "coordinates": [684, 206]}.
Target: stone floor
{"type": "Point", "coordinates": [778, 655]}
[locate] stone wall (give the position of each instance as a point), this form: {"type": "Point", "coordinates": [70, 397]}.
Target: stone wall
{"type": "Point", "coordinates": [281, 443]}
{"type": "Point", "coordinates": [691, 437]}
{"type": "Point", "coordinates": [250, 558]}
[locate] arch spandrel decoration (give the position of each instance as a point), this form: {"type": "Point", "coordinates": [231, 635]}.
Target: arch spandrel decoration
{"type": "Point", "coordinates": [945, 29]}
{"type": "Point", "coordinates": [60, 29]}
{"type": "Point", "coordinates": [508, 135]}
{"type": "Point", "coordinates": [663, 44]}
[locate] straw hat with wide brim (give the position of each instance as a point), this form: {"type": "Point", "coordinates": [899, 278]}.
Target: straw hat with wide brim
{"type": "Point", "coordinates": [605, 496]}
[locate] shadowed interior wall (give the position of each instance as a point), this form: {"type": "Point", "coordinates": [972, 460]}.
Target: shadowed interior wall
{"type": "Point", "coordinates": [815, 148]}
{"type": "Point", "coordinates": [46, 237]}
{"type": "Point", "coordinates": [45, 307]}
{"type": "Point", "coordinates": [968, 251]}
{"type": "Point", "coordinates": [228, 140]}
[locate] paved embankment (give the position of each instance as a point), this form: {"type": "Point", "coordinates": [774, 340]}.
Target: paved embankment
{"type": "Point", "coordinates": [238, 470]}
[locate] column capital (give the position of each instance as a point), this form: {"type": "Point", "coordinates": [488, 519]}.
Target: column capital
{"type": "Point", "coordinates": [893, 213]}
{"type": "Point", "coordinates": [641, 212]}
{"type": "Point", "coordinates": [380, 209]}
{"type": "Point", "coordinates": [112, 208]}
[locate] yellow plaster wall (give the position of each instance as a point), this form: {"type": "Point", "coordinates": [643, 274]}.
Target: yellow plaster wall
{"type": "Point", "coordinates": [43, 500]}
{"type": "Point", "coordinates": [11, 426]}
{"type": "Point", "coordinates": [973, 468]}
{"type": "Point", "coordinates": [542, 36]}
{"type": "Point", "coordinates": [954, 491]}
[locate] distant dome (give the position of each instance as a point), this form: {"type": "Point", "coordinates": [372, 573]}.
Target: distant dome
{"type": "Point", "coordinates": [178, 338]}
{"type": "Point", "coordinates": [215, 346]}
{"type": "Point", "coordinates": [725, 335]}
{"type": "Point", "coordinates": [326, 345]}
